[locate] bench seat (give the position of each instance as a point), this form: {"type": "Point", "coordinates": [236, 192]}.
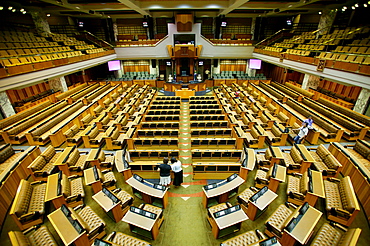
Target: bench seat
{"type": "Point", "coordinates": [331, 236]}
{"type": "Point", "coordinates": [38, 237]}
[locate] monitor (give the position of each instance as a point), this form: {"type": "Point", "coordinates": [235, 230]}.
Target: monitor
{"type": "Point", "coordinates": [114, 65]}
{"type": "Point", "coordinates": [232, 177]}
{"type": "Point", "coordinates": [99, 242]}
{"type": "Point", "coordinates": [138, 178]}
{"type": "Point", "coordinates": [210, 186]}
{"type": "Point", "coordinates": [223, 23]}
{"type": "Point", "coordinates": [96, 174]}
{"type": "Point", "coordinates": [65, 210]}
{"type": "Point", "coordinates": [255, 63]}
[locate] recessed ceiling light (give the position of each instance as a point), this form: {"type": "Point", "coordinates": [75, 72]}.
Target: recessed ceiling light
{"type": "Point", "coordinates": [320, 12]}
{"type": "Point", "coordinates": [13, 10]}
{"type": "Point", "coordinates": [1, 7]}
{"type": "Point", "coordinates": [290, 5]}
{"type": "Point", "coordinates": [24, 12]}
{"type": "Point", "coordinates": [77, 7]}
{"type": "Point", "coordinates": [10, 8]}
{"type": "Point", "coordinates": [365, 5]}
{"type": "Point", "coordinates": [356, 5]}
{"type": "Point", "coordinates": [21, 10]}
{"type": "Point", "coordinates": [48, 15]}
{"type": "Point", "coordinates": [353, 7]}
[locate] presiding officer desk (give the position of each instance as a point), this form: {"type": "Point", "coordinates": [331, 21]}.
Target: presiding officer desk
{"type": "Point", "coordinates": [222, 191]}
{"type": "Point", "coordinates": [147, 191]}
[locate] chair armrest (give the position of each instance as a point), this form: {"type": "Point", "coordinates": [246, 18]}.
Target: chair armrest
{"type": "Point", "coordinates": [334, 180]}
{"type": "Point", "coordinates": [74, 198]}
{"type": "Point", "coordinates": [29, 216]}
{"type": "Point", "coordinates": [96, 230]}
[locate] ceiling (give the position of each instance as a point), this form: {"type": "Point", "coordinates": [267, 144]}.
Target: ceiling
{"type": "Point", "coordinates": [167, 8]}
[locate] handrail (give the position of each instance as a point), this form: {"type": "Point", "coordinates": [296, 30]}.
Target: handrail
{"type": "Point", "coordinates": [87, 34]}
{"type": "Point", "coordinates": [271, 36]}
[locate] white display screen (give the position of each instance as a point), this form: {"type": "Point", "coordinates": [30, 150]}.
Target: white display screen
{"type": "Point", "coordinates": [255, 64]}
{"type": "Point", "coordinates": [114, 65]}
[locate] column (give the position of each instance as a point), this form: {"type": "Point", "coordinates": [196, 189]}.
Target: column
{"type": "Point", "coordinates": [41, 23]}
{"type": "Point", "coordinates": [58, 84]}
{"type": "Point", "coordinates": [253, 27]}
{"type": "Point", "coordinates": [326, 21]}
{"type": "Point", "coordinates": [216, 70]}
{"type": "Point", "coordinates": [362, 101]}
{"type": "Point", "coordinates": [251, 72]}
{"type": "Point", "coordinates": [310, 81]}
{"type": "Point", "coordinates": [6, 105]}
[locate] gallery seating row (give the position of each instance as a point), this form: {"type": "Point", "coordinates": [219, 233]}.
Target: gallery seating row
{"type": "Point", "coordinates": [149, 118]}
{"type": "Point", "coordinates": [211, 132]}
{"type": "Point", "coordinates": [164, 107]}
{"type": "Point", "coordinates": [288, 91]}
{"type": "Point", "coordinates": [191, 102]}
{"type": "Point", "coordinates": [213, 142]}
{"type": "Point", "coordinates": [205, 111]}
{"type": "Point", "coordinates": [207, 123]}
{"type": "Point", "coordinates": [304, 92]}
{"type": "Point", "coordinates": [215, 117]}
{"type": "Point", "coordinates": [152, 154]}
{"type": "Point", "coordinates": [168, 101]}
{"type": "Point", "coordinates": [159, 125]}
{"type": "Point", "coordinates": [163, 112]}
{"type": "Point", "coordinates": [162, 142]}
{"type": "Point", "coordinates": [204, 106]}
{"type": "Point", "coordinates": [157, 133]}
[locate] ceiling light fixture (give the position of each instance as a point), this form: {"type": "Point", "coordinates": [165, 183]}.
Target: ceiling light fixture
{"type": "Point", "coordinates": [24, 12]}
{"type": "Point", "coordinates": [77, 7]}
{"type": "Point", "coordinates": [365, 5]}
{"type": "Point", "coordinates": [1, 7]}
{"type": "Point", "coordinates": [345, 7]}
{"type": "Point", "coordinates": [353, 7]}
{"type": "Point", "coordinates": [291, 5]}
{"type": "Point", "coordinates": [320, 12]}
{"type": "Point", "coordinates": [48, 15]}
{"type": "Point", "coordinates": [356, 5]}
{"type": "Point", "coordinates": [10, 8]}
{"type": "Point", "coordinates": [13, 10]}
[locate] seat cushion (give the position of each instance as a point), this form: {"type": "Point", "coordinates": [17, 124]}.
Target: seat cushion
{"type": "Point", "coordinates": [279, 217]}
{"type": "Point", "coordinates": [123, 239]}
{"type": "Point", "coordinates": [293, 184]}
{"type": "Point", "coordinates": [77, 187]}
{"type": "Point", "coordinates": [247, 238]}
{"type": "Point", "coordinates": [42, 237]}
{"type": "Point", "coordinates": [37, 202]}
{"type": "Point", "coordinates": [327, 236]}
{"type": "Point", "coordinates": [91, 219]}
{"type": "Point", "coordinates": [332, 194]}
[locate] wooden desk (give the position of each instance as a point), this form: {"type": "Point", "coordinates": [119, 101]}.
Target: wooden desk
{"type": "Point", "coordinates": [221, 193]}
{"type": "Point", "coordinates": [148, 225]}
{"type": "Point", "coordinates": [66, 231]}
{"type": "Point", "coordinates": [119, 162]}
{"type": "Point", "coordinates": [277, 155]}
{"type": "Point", "coordinates": [227, 224]}
{"type": "Point", "coordinates": [89, 177]}
{"type": "Point", "coordinates": [280, 177]}
{"type": "Point", "coordinates": [257, 207]}
{"type": "Point", "coordinates": [318, 188]}
{"type": "Point", "coordinates": [113, 210]}
{"type": "Point", "coordinates": [148, 194]}
{"type": "Point", "coordinates": [251, 162]}
{"type": "Point", "coordinates": [185, 93]}
{"type": "Point", "coordinates": [52, 191]}
{"type": "Point", "coordinates": [61, 158]}
{"type": "Point", "coordinates": [303, 230]}
{"type": "Point", "coordinates": [307, 157]}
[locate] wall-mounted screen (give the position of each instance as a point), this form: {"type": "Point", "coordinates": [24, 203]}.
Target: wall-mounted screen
{"type": "Point", "coordinates": [255, 63]}
{"type": "Point", "coordinates": [114, 65]}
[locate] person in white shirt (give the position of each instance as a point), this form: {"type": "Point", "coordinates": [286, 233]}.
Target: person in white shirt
{"type": "Point", "coordinates": [177, 169]}
{"type": "Point", "coordinates": [303, 131]}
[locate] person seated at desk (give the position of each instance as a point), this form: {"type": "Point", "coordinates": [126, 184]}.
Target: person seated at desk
{"type": "Point", "coordinates": [164, 173]}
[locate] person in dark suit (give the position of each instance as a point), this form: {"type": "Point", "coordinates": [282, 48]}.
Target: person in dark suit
{"type": "Point", "coordinates": [164, 173]}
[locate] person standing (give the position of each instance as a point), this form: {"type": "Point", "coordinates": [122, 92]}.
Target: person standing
{"type": "Point", "coordinates": [177, 169]}
{"type": "Point", "coordinates": [309, 121]}
{"type": "Point", "coordinates": [303, 131]}
{"type": "Point", "coordinates": [164, 173]}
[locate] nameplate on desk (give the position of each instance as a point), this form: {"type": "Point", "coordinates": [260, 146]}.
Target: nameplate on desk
{"type": "Point", "coordinates": [110, 195]}
{"type": "Point", "coordinates": [159, 187]}
{"type": "Point", "coordinates": [144, 213]}
{"type": "Point", "coordinates": [232, 177]}
{"type": "Point", "coordinates": [258, 194]}
{"type": "Point", "coordinates": [210, 186]}
{"type": "Point", "coordinates": [226, 211]}
{"type": "Point", "coordinates": [269, 242]}
{"type": "Point", "coordinates": [138, 178]}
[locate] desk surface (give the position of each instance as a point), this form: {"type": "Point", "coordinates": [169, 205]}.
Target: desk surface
{"type": "Point", "coordinates": [276, 151]}
{"type": "Point", "coordinates": [139, 220]}
{"type": "Point", "coordinates": [89, 176]}
{"type": "Point", "coordinates": [61, 157]}
{"type": "Point", "coordinates": [228, 186]}
{"type": "Point", "coordinates": [263, 201]}
{"type": "Point", "coordinates": [105, 202]}
{"type": "Point", "coordinates": [306, 153]}
{"type": "Point", "coordinates": [52, 187]}
{"type": "Point", "coordinates": [64, 228]}
{"type": "Point", "coordinates": [231, 219]}
{"type": "Point", "coordinates": [92, 155]}
{"type": "Point", "coordinates": [118, 161]}
{"type": "Point", "coordinates": [145, 188]}
{"type": "Point", "coordinates": [280, 173]}
{"type": "Point", "coordinates": [318, 184]}
{"type": "Point", "coordinates": [305, 226]}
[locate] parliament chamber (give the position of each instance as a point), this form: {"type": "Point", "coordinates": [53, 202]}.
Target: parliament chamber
{"type": "Point", "coordinates": [95, 95]}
